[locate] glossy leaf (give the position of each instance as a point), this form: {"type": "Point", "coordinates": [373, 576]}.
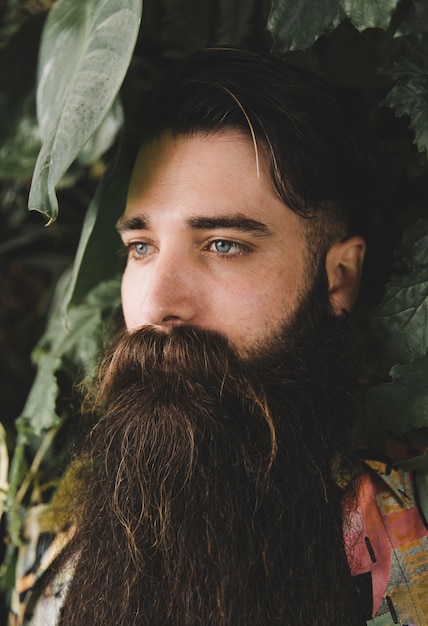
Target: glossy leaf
{"type": "Point", "coordinates": [417, 19]}
{"type": "Point", "coordinates": [97, 257]}
{"type": "Point", "coordinates": [76, 339]}
{"type": "Point", "coordinates": [298, 24]}
{"type": "Point", "coordinates": [410, 93]}
{"type": "Point", "coordinates": [402, 405]}
{"type": "Point", "coordinates": [400, 323]}
{"type": "Point", "coordinates": [103, 137]}
{"type": "Point", "coordinates": [413, 248]}
{"type": "Point", "coordinates": [85, 52]}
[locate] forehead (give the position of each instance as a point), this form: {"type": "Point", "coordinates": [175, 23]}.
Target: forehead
{"type": "Point", "coordinates": [207, 175]}
{"type": "Point", "coordinates": [214, 161]}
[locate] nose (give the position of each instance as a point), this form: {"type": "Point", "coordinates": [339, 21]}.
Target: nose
{"type": "Point", "coordinates": [168, 293]}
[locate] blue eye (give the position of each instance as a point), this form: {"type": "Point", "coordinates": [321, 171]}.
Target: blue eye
{"type": "Point", "coordinates": [224, 246]}
{"type": "Point", "coordinates": [140, 248]}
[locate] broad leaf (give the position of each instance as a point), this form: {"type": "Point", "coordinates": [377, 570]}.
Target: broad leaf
{"type": "Point", "coordinates": [410, 93]}
{"type": "Point", "coordinates": [417, 18]}
{"type": "Point", "coordinates": [369, 13]}
{"type": "Point", "coordinates": [402, 405]}
{"type": "Point", "coordinates": [413, 248]}
{"type": "Point", "coordinates": [85, 52]}
{"type": "Point", "coordinates": [400, 322]}
{"type": "Point", "coordinates": [97, 257]}
{"type": "Point", "coordinates": [78, 339]}
{"type": "Point", "coordinates": [104, 136]}
{"type": "Point", "coordinates": [298, 24]}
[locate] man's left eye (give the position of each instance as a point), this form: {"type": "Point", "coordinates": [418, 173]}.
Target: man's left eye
{"type": "Point", "coordinates": [223, 246]}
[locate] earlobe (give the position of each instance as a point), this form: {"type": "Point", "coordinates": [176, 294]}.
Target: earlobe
{"type": "Point", "coordinates": [344, 264]}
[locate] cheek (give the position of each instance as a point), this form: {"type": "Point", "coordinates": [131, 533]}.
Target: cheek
{"type": "Point", "coordinates": [130, 301]}
{"type": "Point", "coordinates": [250, 309]}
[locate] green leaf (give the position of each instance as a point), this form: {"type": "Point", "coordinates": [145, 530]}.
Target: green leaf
{"type": "Point", "coordinates": [96, 257]}
{"type": "Point", "coordinates": [409, 96]}
{"type": "Point", "coordinates": [85, 52]}
{"type": "Point", "coordinates": [417, 19]}
{"type": "Point", "coordinates": [370, 13]}
{"type": "Point", "coordinates": [402, 405]}
{"type": "Point", "coordinates": [298, 24]}
{"type": "Point", "coordinates": [413, 248]}
{"type": "Point", "coordinates": [400, 322]}
{"type": "Point", "coordinates": [77, 339]}
{"type": "Point", "coordinates": [104, 136]}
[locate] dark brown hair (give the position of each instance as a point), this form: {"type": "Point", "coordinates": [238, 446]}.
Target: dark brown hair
{"type": "Point", "coordinates": [318, 155]}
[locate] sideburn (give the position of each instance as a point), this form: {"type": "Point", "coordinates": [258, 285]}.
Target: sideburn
{"type": "Point", "coordinates": [207, 495]}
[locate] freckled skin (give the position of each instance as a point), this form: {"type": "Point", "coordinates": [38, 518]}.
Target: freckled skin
{"type": "Point", "coordinates": [210, 242]}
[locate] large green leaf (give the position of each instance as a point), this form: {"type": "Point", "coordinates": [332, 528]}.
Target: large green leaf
{"type": "Point", "coordinates": [97, 257]}
{"type": "Point", "coordinates": [402, 405]}
{"type": "Point", "coordinates": [400, 322]}
{"type": "Point", "coordinates": [104, 136]}
{"type": "Point", "coordinates": [298, 24]}
{"type": "Point", "coordinates": [413, 248]}
{"type": "Point", "coordinates": [410, 93]}
{"type": "Point", "coordinates": [85, 52]}
{"type": "Point", "coordinates": [417, 19]}
{"type": "Point", "coordinates": [78, 339]}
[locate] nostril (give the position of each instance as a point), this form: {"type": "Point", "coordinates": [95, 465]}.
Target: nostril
{"type": "Point", "coordinates": [172, 320]}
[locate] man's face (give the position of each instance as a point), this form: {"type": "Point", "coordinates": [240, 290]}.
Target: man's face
{"type": "Point", "coordinates": [206, 471]}
{"type": "Point", "coordinates": [210, 243]}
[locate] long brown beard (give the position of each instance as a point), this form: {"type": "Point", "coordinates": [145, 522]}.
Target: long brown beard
{"type": "Point", "coordinates": [209, 492]}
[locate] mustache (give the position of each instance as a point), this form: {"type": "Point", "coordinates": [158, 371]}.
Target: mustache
{"type": "Point", "coordinates": [189, 382]}
{"type": "Point", "coordinates": [196, 353]}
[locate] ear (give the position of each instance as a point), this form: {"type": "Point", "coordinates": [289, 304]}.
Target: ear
{"type": "Point", "coordinates": [344, 264]}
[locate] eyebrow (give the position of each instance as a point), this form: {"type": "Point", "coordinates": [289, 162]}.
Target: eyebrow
{"type": "Point", "coordinates": [236, 222]}
{"type": "Point", "coordinates": [136, 222]}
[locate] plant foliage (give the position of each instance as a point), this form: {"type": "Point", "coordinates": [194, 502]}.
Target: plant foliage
{"type": "Point", "coordinates": [401, 330]}
{"type": "Point", "coordinates": [299, 24]}
{"type": "Point", "coordinates": [84, 54]}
